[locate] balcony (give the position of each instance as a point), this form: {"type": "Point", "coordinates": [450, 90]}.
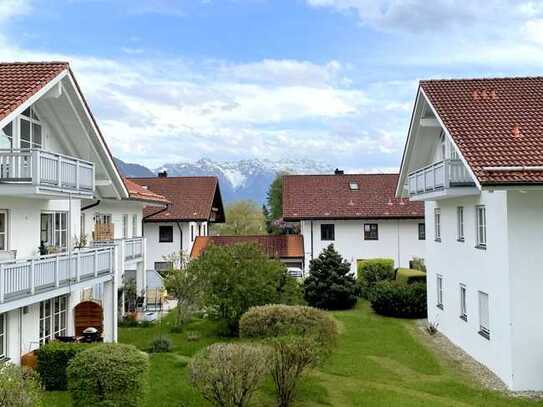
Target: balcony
{"type": "Point", "coordinates": [25, 278]}
{"type": "Point", "coordinates": [439, 178]}
{"type": "Point", "coordinates": [131, 249]}
{"type": "Point", "coordinates": [48, 173]}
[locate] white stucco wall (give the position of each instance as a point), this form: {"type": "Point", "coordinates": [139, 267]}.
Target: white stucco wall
{"type": "Point", "coordinates": [156, 251]}
{"type": "Point", "coordinates": [398, 240]}
{"type": "Point", "coordinates": [116, 209]}
{"type": "Point", "coordinates": [479, 270]}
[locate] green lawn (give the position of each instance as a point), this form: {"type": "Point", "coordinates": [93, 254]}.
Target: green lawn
{"type": "Point", "coordinates": [378, 362]}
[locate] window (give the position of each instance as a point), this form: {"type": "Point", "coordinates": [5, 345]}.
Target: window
{"type": "Point", "coordinates": [165, 234]}
{"type": "Point", "coordinates": [102, 219]}
{"type": "Point", "coordinates": [422, 231]}
{"type": "Point", "coordinates": [463, 308]}
{"type": "Point", "coordinates": [437, 225]}
{"type": "Point", "coordinates": [353, 186]}
{"type": "Point", "coordinates": [328, 232]}
{"type": "Point", "coordinates": [6, 137]}
{"type": "Point", "coordinates": [481, 226]}
{"type": "Point", "coordinates": [2, 336]}
{"type": "Point", "coordinates": [440, 291]}
{"type": "Point", "coordinates": [54, 229]}
{"type": "Point", "coordinates": [484, 327]}
{"type": "Point", "coordinates": [163, 266]}
{"type": "Point", "coordinates": [125, 226]}
{"type": "Point", "coordinates": [199, 229]}
{"type": "Point", "coordinates": [371, 231]}
{"type": "Point", "coordinates": [3, 230]}
{"type": "Point", "coordinates": [30, 130]}
{"type": "Point", "coordinates": [205, 229]}
{"type": "Point", "coordinates": [53, 318]}
{"type": "Point", "coordinates": [82, 232]}
{"type": "Point", "coordinates": [460, 224]}
{"type": "Point", "coordinates": [134, 225]}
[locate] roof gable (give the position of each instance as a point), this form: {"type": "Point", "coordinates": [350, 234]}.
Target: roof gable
{"type": "Point", "coordinates": [191, 198]}
{"type": "Point", "coordinates": [331, 197]}
{"type": "Point", "coordinates": [140, 193]}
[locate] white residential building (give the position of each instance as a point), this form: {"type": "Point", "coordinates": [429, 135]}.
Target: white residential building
{"type": "Point", "coordinates": [357, 213]}
{"type": "Point", "coordinates": [53, 162]}
{"type": "Point", "coordinates": [474, 155]}
{"type": "Point", "coordinates": [195, 202]}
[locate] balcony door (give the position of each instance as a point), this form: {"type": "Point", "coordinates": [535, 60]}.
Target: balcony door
{"type": "Point", "coordinates": [54, 229]}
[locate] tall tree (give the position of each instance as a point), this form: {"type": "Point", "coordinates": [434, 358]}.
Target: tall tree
{"type": "Point", "coordinates": [274, 198]}
{"type": "Point", "coordinates": [242, 218]}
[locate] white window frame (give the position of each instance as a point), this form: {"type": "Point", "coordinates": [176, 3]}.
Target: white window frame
{"type": "Point", "coordinates": [439, 288]}
{"type": "Point", "coordinates": [33, 120]}
{"type": "Point", "coordinates": [56, 318]}
{"type": "Point", "coordinates": [56, 236]}
{"type": "Point", "coordinates": [82, 226]}
{"type": "Point", "coordinates": [125, 226]}
{"type": "Point", "coordinates": [463, 302]}
{"type": "Point", "coordinates": [102, 218]}
{"type": "Point", "coordinates": [484, 320]}
{"type": "Point", "coordinates": [3, 336]}
{"type": "Point", "coordinates": [4, 234]}
{"type": "Point", "coordinates": [480, 224]}
{"type": "Point", "coordinates": [460, 223]}
{"type": "Point", "coordinates": [437, 224]}
{"type": "Point", "coordinates": [134, 225]}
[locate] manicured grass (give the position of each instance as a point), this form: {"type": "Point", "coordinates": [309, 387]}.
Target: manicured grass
{"type": "Point", "coordinates": [377, 362]}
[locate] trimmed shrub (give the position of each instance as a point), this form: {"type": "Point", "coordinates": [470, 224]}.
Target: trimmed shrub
{"type": "Point", "coordinates": [371, 271]}
{"type": "Point", "coordinates": [330, 284]}
{"type": "Point", "coordinates": [410, 276]}
{"type": "Point", "coordinates": [111, 374]}
{"type": "Point", "coordinates": [19, 387]}
{"type": "Point", "coordinates": [227, 375]}
{"type": "Point", "coordinates": [269, 321]}
{"type": "Point", "coordinates": [161, 345]}
{"type": "Point", "coordinates": [400, 300]}
{"type": "Point", "coordinates": [418, 264]}
{"type": "Point", "coordinates": [291, 357]}
{"type": "Point", "coordinates": [53, 360]}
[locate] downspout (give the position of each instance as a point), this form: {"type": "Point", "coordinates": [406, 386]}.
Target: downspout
{"type": "Point", "coordinates": [92, 205]}
{"type": "Point", "coordinates": [398, 237]}
{"type": "Point", "coordinates": [180, 237]}
{"type": "Point", "coordinates": [312, 239]}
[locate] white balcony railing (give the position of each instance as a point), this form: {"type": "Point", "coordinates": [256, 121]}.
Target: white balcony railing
{"type": "Point", "coordinates": [45, 169]}
{"type": "Point", "coordinates": [132, 247]}
{"type": "Point", "coordinates": [19, 278]}
{"type": "Point", "coordinates": [438, 176]}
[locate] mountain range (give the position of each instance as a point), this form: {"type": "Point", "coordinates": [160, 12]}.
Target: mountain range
{"type": "Point", "coordinates": [239, 180]}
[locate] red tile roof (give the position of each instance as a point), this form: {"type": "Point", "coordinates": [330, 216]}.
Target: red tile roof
{"type": "Point", "coordinates": [191, 198]}
{"type": "Point", "coordinates": [481, 116]}
{"type": "Point", "coordinates": [285, 246]}
{"type": "Point", "coordinates": [21, 80]}
{"type": "Point", "coordinates": [330, 197]}
{"type": "Point", "coordinates": [139, 193]}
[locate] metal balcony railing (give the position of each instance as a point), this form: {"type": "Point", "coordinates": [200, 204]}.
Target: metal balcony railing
{"type": "Point", "coordinates": [23, 277]}
{"type": "Point", "coordinates": [438, 176]}
{"type": "Point", "coordinates": [132, 247]}
{"type": "Point", "coordinates": [45, 169]}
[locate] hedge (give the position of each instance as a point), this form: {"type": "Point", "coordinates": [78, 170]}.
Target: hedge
{"type": "Point", "coordinates": [111, 374]}
{"type": "Point", "coordinates": [410, 276]}
{"type": "Point", "coordinates": [53, 359]}
{"type": "Point", "coordinates": [401, 300]}
{"type": "Point", "coordinates": [277, 320]}
{"type": "Point", "coordinates": [371, 271]}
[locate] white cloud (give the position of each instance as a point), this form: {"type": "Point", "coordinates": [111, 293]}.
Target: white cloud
{"type": "Point", "coordinates": [13, 8]}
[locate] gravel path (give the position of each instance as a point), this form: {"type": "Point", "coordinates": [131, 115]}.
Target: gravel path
{"type": "Point", "coordinates": [477, 371]}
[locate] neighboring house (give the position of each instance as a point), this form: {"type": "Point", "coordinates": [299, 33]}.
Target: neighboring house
{"type": "Point", "coordinates": [195, 202]}
{"type": "Point", "coordinates": [474, 155]}
{"type": "Point", "coordinates": [108, 222]}
{"type": "Point", "coordinates": [358, 213]}
{"type": "Point", "coordinates": [53, 161]}
{"type": "Point", "coordinates": [289, 249]}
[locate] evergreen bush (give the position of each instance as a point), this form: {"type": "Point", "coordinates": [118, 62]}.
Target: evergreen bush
{"type": "Point", "coordinates": [400, 300]}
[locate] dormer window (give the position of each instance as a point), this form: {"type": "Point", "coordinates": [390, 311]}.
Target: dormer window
{"type": "Point", "coordinates": [30, 129]}
{"type": "Point", "coordinates": [353, 186]}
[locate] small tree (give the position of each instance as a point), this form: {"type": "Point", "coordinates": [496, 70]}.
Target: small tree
{"type": "Point", "coordinates": [242, 218]}
{"type": "Point", "coordinates": [19, 387]}
{"type": "Point", "coordinates": [330, 284]}
{"type": "Point", "coordinates": [238, 277]}
{"type": "Point", "coordinates": [227, 375]}
{"type": "Point", "coordinates": [185, 285]}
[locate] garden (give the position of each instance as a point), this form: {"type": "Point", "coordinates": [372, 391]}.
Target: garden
{"type": "Point", "coordinates": [329, 341]}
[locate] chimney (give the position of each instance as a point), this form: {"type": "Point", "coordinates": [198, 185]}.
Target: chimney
{"type": "Point", "coordinates": [339, 172]}
{"type": "Point", "coordinates": [163, 174]}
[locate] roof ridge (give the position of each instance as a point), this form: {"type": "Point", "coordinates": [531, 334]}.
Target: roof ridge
{"type": "Point", "coordinates": [472, 79]}
{"type": "Point", "coordinates": [341, 175]}
{"type": "Point", "coordinates": [175, 177]}
{"type": "Point", "coordinates": [35, 63]}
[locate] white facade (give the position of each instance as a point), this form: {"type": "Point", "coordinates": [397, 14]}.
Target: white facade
{"type": "Point", "coordinates": [183, 235]}
{"type": "Point", "coordinates": [397, 239]}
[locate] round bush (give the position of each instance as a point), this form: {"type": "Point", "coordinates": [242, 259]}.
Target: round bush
{"type": "Point", "coordinates": [227, 375]}
{"type": "Point", "coordinates": [401, 300]}
{"type": "Point", "coordinates": [110, 374]}
{"type": "Point", "coordinates": [19, 387]}
{"type": "Point", "coordinates": [282, 320]}
{"type": "Point", "coordinates": [161, 345]}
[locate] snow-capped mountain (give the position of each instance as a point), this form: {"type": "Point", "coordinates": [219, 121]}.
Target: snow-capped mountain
{"type": "Point", "coordinates": [245, 179]}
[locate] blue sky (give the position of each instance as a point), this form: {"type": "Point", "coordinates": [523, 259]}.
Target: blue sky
{"type": "Point", "coordinates": [330, 80]}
